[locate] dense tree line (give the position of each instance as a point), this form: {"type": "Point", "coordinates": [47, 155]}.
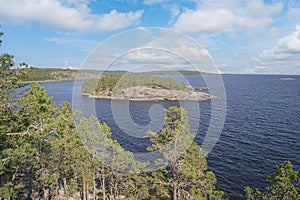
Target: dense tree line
{"type": "Point", "coordinates": [114, 83]}
{"type": "Point", "coordinates": [51, 152]}
{"type": "Point", "coordinates": [177, 72]}
{"type": "Point", "coordinates": [57, 74]}
{"type": "Point", "coordinates": [40, 74]}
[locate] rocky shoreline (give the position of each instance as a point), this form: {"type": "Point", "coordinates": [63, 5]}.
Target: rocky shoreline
{"type": "Point", "coordinates": [144, 93]}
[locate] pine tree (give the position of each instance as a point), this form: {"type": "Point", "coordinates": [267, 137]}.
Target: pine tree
{"type": "Point", "coordinates": [171, 143]}
{"type": "Point", "coordinates": [284, 184]}
{"type": "Point", "coordinates": [196, 182]}
{"type": "Point", "coordinates": [26, 156]}
{"type": "Point", "coordinates": [68, 154]}
{"type": "Point", "coordinates": [10, 158]}
{"type": "Point", "coordinates": [186, 176]}
{"type": "Point", "coordinates": [10, 80]}
{"type": "Point", "coordinates": [96, 137]}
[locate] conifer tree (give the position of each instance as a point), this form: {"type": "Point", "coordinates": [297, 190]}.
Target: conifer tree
{"type": "Point", "coordinates": [64, 142]}
{"type": "Point", "coordinates": [284, 184]}
{"type": "Point", "coordinates": [186, 177]}
{"type": "Point", "coordinates": [25, 158]}
{"type": "Point", "coordinates": [10, 80]}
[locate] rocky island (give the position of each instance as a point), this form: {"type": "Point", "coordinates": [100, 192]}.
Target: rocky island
{"type": "Point", "coordinates": [141, 87]}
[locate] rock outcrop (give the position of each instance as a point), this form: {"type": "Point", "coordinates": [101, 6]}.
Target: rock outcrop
{"type": "Point", "coordinates": [144, 93]}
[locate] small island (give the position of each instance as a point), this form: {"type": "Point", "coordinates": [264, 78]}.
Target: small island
{"type": "Point", "coordinates": [142, 87]}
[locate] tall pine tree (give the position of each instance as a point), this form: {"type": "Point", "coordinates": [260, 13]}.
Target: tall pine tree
{"type": "Point", "coordinates": [186, 176]}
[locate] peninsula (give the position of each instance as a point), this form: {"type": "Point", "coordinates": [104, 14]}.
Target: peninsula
{"type": "Point", "coordinates": [142, 87]}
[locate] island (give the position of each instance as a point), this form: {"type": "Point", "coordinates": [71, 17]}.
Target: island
{"type": "Point", "coordinates": [287, 79]}
{"type": "Point", "coordinates": [142, 87]}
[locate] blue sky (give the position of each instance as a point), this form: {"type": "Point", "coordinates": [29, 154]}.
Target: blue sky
{"type": "Point", "coordinates": [241, 36]}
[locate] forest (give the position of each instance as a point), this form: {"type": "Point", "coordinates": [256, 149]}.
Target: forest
{"type": "Point", "coordinates": [114, 83]}
{"type": "Point", "coordinates": [44, 154]}
{"type": "Point", "coordinates": [58, 74]}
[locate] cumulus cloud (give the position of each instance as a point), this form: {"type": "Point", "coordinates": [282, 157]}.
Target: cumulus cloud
{"type": "Point", "coordinates": [205, 21]}
{"type": "Point", "coordinates": [151, 47]}
{"type": "Point", "coordinates": [286, 49]}
{"type": "Point", "coordinates": [230, 15]}
{"type": "Point", "coordinates": [115, 20]}
{"type": "Point", "coordinates": [283, 57]}
{"type": "Point", "coordinates": [64, 15]}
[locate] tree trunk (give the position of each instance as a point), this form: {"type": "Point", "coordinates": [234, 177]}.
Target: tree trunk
{"type": "Point", "coordinates": [84, 189]}
{"type": "Point", "coordinates": [94, 188]}
{"type": "Point", "coordinates": [174, 191]}
{"type": "Point", "coordinates": [103, 181]}
{"type": "Point", "coordinates": [56, 190]}
{"type": "Point", "coordinates": [175, 181]}
{"type": "Point", "coordinates": [94, 181]}
{"type": "Point", "coordinates": [111, 193]}
{"type": "Point", "coordinates": [33, 193]}
{"type": "Point", "coordinates": [65, 187]}
{"type": "Point", "coordinates": [87, 190]}
{"type": "Point", "coordinates": [45, 194]}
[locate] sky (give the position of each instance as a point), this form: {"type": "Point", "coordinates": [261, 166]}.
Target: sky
{"type": "Point", "coordinates": [240, 36]}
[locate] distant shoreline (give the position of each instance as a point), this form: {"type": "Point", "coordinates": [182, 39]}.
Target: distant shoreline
{"type": "Point", "coordinates": [50, 81]}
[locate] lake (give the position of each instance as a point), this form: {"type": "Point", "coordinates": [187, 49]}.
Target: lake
{"type": "Point", "coordinates": [261, 130]}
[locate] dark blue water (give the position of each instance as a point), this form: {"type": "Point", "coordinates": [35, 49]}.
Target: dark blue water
{"type": "Point", "coordinates": [262, 126]}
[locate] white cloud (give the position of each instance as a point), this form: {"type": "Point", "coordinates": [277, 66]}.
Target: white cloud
{"type": "Point", "coordinates": [260, 9]}
{"type": "Point", "coordinates": [77, 1]}
{"type": "Point", "coordinates": [294, 13]}
{"type": "Point", "coordinates": [115, 20]}
{"type": "Point", "coordinates": [175, 10]}
{"type": "Point", "coordinates": [227, 16]}
{"type": "Point", "coordinates": [64, 15]}
{"type": "Point", "coordinates": [152, 2]}
{"type": "Point", "coordinates": [285, 55]}
{"type": "Point", "coordinates": [250, 23]}
{"type": "Point", "coordinates": [151, 47]}
{"type": "Point", "coordinates": [286, 48]}
{"type": "Point", "coordinates": [205, 21]}
{"type": "Point", "coordinates": [59, 40]}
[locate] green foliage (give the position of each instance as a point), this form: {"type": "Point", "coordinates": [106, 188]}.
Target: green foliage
{"type": "Point", "coordinates": [175, 137]}
{"type": "Point", "coordinates": [115, 83]}
{"type": "Point", "coordinates": [89, 86]}
{"type": "Point", "coordinates": [196, 180]}
{"type": "Point", "coordinates": [35, 109]}
{"type": "Point", "coordinates": [283, 184]}
{"type": "Point", "coordinates": [25, 154]}
{"type": "Point", "coordinates": [42, 74]}
{"type": "Point", "coordinates": [186, 176]}
{"type": "Point", "coordinates": [9, 82]}
{"type": "Point", "coordinates": [178, 72]}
